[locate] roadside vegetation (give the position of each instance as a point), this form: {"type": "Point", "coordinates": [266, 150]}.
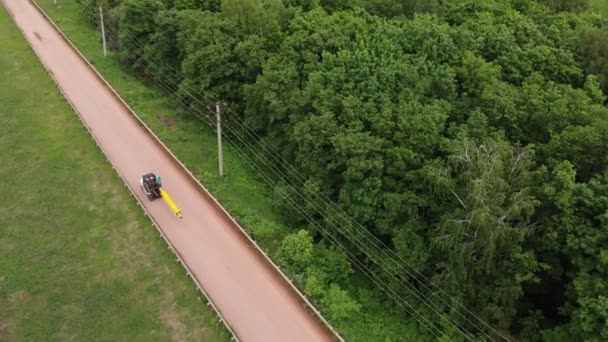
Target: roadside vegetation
{"type": "Point", "coordinates": [78, 259]}
{"type": "Point", "coordinates": [465, 139]}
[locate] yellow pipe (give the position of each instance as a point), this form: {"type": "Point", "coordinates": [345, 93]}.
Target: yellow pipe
{"type": "Point", "coordinates": [169, 201]}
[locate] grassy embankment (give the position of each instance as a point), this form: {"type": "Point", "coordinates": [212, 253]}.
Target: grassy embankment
{"type": "Point", "coordinates": [241, 192]}
{"type": "Point", "coordinates": [78, 259]}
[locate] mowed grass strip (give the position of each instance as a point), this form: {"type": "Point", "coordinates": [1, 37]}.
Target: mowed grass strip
{"type": "Point", "coordinates": [78, 259]}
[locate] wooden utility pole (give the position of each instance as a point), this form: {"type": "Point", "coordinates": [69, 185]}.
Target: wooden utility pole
{"type": "Point", "coordinates": [219, 140]}
{"type": "Point", "coordinates": [103, 32]}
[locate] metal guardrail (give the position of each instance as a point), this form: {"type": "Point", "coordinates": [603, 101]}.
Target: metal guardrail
{"type": "Point", "coordinates": [192, 179]}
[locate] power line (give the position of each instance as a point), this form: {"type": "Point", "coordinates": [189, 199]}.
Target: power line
{"type": "Point", "coordinates": [391, 293]}
{"type": "Point", "coordinates": [245, 142]}
{"type": "Point", "coordinates": [336, 209]}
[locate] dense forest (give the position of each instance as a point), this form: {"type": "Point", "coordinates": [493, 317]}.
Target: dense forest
{"type": "Point", "coordinates": [465, 139]}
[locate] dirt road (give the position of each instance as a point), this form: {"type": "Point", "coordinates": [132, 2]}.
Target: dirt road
{"type": "Point", "coordinates": [256, 301]}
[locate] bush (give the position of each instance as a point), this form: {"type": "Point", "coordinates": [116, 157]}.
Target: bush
{"type": "Point", "coordinates": [296, 251]}
{"type": "Point", "coordinates": [339, 304]}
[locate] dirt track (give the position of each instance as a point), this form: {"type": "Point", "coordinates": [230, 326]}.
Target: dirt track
{"type": "Point", "coordinates": [256, 301]}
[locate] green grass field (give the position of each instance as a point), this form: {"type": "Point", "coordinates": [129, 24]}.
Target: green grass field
{"type": "Point", "coordinates": [78, 259]}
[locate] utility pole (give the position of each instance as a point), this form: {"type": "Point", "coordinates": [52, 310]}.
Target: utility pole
{"type": "Point", "coordinates": [219, 140]}
{"type": "Point", "coordinates": [103, 32]}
